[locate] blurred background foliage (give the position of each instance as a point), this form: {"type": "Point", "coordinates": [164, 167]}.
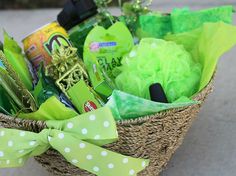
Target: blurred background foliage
{"type": "Point", "coordinates": [31, 4]}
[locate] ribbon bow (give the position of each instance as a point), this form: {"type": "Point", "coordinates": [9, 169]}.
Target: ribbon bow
{"type": "Point", "coordinates": [77, 139]}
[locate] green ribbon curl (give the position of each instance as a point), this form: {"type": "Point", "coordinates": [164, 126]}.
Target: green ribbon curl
{"type": "Point", "coordinates": [78, 139]}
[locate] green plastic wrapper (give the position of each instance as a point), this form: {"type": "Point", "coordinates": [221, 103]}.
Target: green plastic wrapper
{"type": "Point", "coordinates": [127, 106]}
{"type": "Point", "coordinates": [159, 61]}
{"type": "Point", "coordinates": [206, 45]}
{"type": "Point", "coordinates": [184, 20]}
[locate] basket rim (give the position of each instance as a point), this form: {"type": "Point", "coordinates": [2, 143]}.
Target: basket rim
{"type": "Point", "coordinates": [142, 119]}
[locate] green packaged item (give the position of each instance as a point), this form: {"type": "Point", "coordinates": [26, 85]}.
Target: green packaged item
{"type": "Point", "coordinates": [13, 85]}
{"type": "Point", "coordinates": [156, 60]}
{"type": "Point", "coordinates": [82, 97]}
{"type": "Point", "coordinates": [184, 20]}
{"type": "Point", "coordinates": [127, 106]}
{"type": "Point", "coordinates": [103, 51]}
{"type": "Point", "coordinates": [206, 45]}
{"type": "Point", "coordinates": [16, 59]}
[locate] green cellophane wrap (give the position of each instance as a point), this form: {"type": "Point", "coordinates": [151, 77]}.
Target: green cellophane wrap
{"type": "Point", "coordinates": [185, 20]}
{"type": "Point", "coordinates": [159, 61]}
{"type": "Point", "coordinates": [206, 45]}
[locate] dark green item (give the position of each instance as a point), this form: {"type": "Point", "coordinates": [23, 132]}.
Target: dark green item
{"type": "Point", "coordinates": [1, 46]}
{"type": "Point", "coordinates": [44, 88]}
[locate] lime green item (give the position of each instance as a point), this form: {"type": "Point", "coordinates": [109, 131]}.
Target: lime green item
{"type": "Point", "coordinates": [127, 106]}
{"type": "Point", "coordinates": [184, 20]}
{"type": "Point", "coordinates": [78, 140]}
{"type": "Point", "coordinates": [156, 60]}
{"type": "Point", "coordinates": [14, 55]}
{"type": "Point", "coordinates": [51, 109]}
{"type": "Point", "coordinates": [103, 51]}
{"type": "Point", "coordinates": [82, 98]}
{"type": "Point", "coordinates": [206, 45]}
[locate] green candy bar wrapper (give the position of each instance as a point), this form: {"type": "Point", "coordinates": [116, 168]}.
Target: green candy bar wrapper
{"type": "Point", "coordinates": [126, 106]}
{"type": "Point", "coordinates": [185, 20]}
{"type": "Point", "coordinates": [82, 98]}
{"type": "Point", "coordinates": [206, 45]}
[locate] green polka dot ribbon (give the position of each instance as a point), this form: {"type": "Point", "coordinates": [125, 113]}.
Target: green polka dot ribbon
{"type": "Point", "coordinates": [78, 139]}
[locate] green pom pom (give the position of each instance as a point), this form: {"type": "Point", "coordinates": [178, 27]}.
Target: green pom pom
{"type": "Point", "coordinates": [156, 60]}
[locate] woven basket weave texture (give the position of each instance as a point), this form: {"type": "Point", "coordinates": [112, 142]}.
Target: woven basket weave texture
{"type": "Point", "coordinates": [154, 137]}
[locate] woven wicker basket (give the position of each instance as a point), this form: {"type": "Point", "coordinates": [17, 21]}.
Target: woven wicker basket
{"type": "Point", "coordinates": [155, 137]}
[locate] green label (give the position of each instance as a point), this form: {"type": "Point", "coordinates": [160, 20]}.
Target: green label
{"type": "Point", "coordinates": [55, 41]}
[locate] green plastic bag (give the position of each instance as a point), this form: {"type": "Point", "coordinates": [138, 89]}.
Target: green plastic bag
{"type": "Point", "coordinates": [159, 61]}
{"type": "Point", "coordinates": [206, 45]}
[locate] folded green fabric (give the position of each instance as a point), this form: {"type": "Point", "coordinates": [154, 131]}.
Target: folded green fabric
{"type": "Point", "coordinates": [78, 140]}
{"type": "Point", "coordinates": [206, 45]}
{"type": "Point", "coordinates": [127, 106]}
{"type": "Point", "coordinates": [184, 20]}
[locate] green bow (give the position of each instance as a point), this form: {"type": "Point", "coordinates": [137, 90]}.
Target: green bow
{"type": "Point", "coordinates": [78, 140]}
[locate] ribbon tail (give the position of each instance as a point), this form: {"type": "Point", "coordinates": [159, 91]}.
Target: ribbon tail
{"type": "Point", "coordinates": [93, 158]}
{"type": "Point", "coordinates": [17, 146]}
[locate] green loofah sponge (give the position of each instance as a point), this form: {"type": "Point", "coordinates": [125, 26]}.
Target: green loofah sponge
{"type": "Point", "coordinates": [156, 60]}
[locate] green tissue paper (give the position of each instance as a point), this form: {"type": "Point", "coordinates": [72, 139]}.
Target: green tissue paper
{"type": "Point", "coordinates": [51, 109]}
{"type": "Point", "coordinates": [127, 106]}
{"type": "Point", "coordinates": [157, 25]}
{"type": "Point", "coordinates": [154, 25]}
{"type": "Point", "coordinates": [159, 61]}
{"type": "Point", "coordinates": [206, 45]}
{"type": "Point", "coordinates": [185, 20]}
